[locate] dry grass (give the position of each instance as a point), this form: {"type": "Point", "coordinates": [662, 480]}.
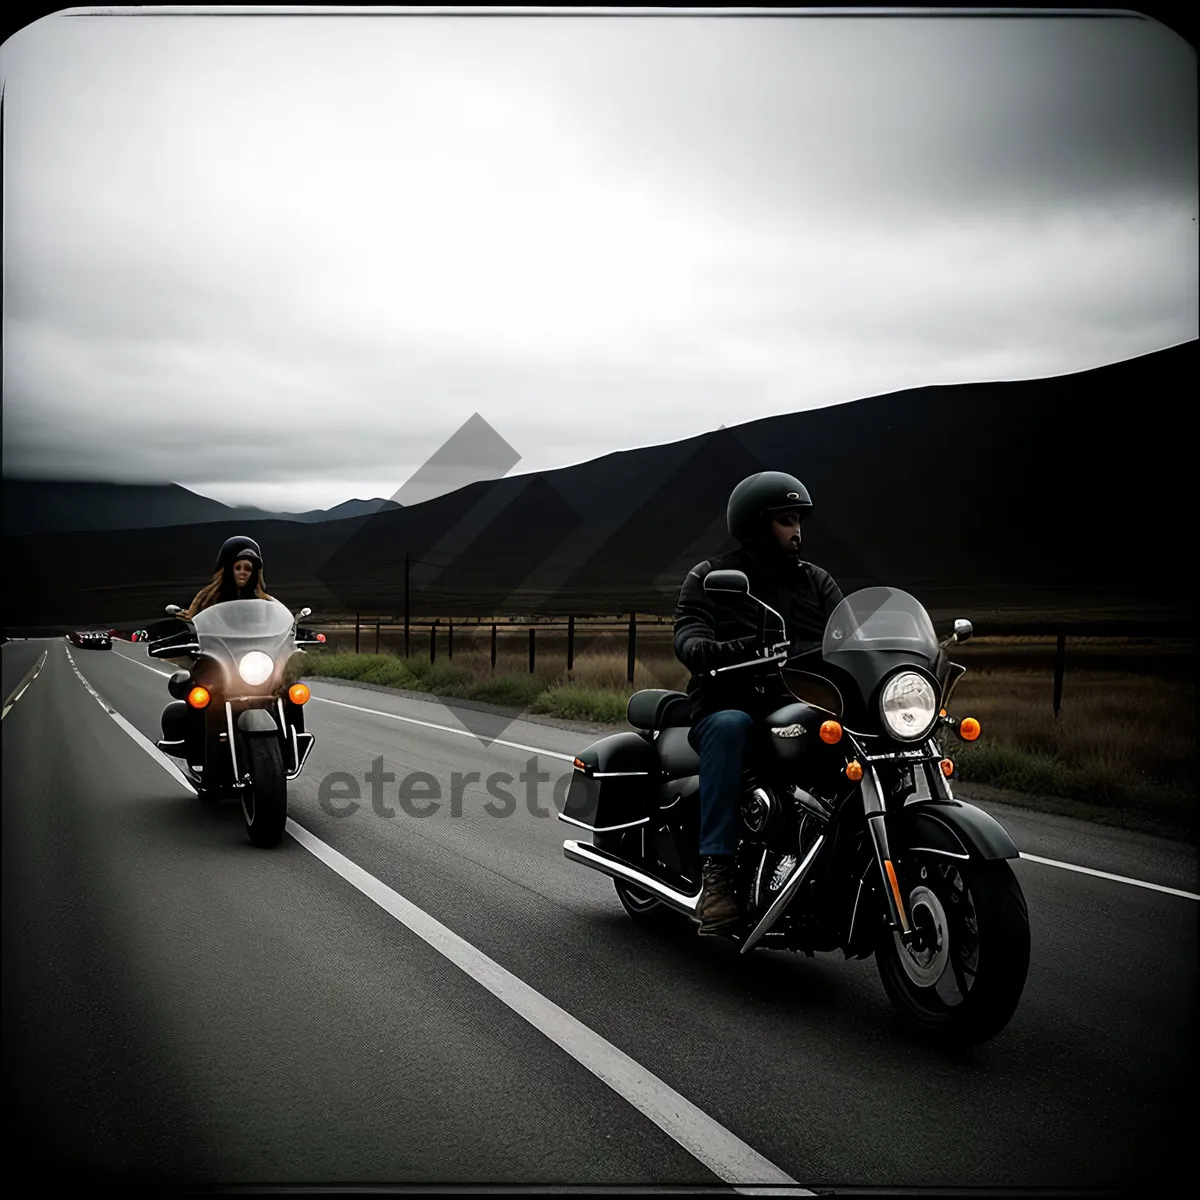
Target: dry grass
{"type": "Point", "coordinates": [1124, 738]}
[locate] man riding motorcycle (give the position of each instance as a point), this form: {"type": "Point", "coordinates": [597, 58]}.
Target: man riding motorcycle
{"type": "Point", "coordinates": [765, 514]}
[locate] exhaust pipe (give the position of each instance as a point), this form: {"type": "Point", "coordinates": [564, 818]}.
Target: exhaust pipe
{"type": "Point", "coordinates": [609, 864]}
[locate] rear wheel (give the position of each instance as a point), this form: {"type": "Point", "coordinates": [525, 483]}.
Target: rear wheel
{"type": "Point", "coordinates": [961, 984]}
{"type": "Point", "coordinates": [642, 908]}
{"type": "Point", "coordinates": [264, 799]}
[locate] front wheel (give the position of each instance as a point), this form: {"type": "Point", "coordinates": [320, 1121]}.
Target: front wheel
{"type": "Point", "coordinates": [264, 799]}
{"type": "Point", "coordinates": [961, 983]}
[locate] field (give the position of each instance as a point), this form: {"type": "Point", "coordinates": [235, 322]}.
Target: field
{"type": "Point", "coordinates": [1123, 741]}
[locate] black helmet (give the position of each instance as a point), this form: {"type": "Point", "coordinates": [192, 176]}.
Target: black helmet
{"type": "Point", "coordinates": [758, 496]}
{"type": "Point", "coordinates": [238, 547]}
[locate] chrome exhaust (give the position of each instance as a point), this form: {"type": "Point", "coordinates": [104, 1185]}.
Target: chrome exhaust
{"type": "Point", "coordinates": [609, 864]}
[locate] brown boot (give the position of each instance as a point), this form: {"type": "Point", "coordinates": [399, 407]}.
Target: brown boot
{"type": "Point", "coordinates": [718, 909]}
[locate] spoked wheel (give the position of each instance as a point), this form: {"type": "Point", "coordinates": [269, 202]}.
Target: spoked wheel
{"type": "Point", "coordinates": [959, 983]}
{"type": "Point", "coordinates": [264, 799]}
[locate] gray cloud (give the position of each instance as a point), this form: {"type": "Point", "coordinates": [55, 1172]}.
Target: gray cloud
{"type": "Point", "coordinates": [282, 261]}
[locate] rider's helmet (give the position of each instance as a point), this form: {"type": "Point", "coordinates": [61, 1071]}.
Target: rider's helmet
{"type": "Point", "coordinates": [238, 547]}
{"type": "Point", "coordinates": [757, 498]}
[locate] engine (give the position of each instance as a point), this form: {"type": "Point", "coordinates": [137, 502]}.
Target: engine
{"type": "Point", "coordinates": [761, 811]}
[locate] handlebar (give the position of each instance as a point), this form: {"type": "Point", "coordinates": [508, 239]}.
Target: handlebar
{"type": "Point", "coordinates": [765, 657]}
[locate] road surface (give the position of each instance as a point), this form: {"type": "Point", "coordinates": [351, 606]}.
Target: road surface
{"type": "Point", "coordinates": [445, 998]}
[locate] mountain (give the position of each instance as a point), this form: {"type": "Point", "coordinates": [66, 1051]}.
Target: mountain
{"type": "Point", "coordinates": [73, 506]}
{"type": "Point", "coordinates": [1066, 495]}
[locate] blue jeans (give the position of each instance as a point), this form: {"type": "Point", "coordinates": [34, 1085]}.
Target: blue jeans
{"type": "Point", "coordinates": [720, 740]}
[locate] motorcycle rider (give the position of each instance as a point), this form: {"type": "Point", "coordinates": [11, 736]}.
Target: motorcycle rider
{"type": "Point", "coordinates": [765, 514]}
{"type": "Point", "coordinates": [237, 576]}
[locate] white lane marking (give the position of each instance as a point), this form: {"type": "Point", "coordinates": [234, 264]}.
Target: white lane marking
{"type": "Point", "coordinates": [21, 691]}
{"type": "Point", "coordinates": [722, 1152]}
{"type": "Point", "coordinates": [143, 741]}
{"type": "Point", "coordinates": [447, 729]}
{"type": "Point", "coordinates": [136, 663]}
{"type": "Point", "coordinates": [1155, 887]}
{"type": "Point", "coordinates": [1048, 862]}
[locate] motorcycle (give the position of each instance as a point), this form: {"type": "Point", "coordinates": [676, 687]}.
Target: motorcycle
{"type": "Point", "coordinates": [838, 849]}
{"type": "Point", "coordinates": [235, 724]}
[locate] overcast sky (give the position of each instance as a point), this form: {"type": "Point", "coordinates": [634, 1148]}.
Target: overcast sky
{"type": "Point", "coordinates": [282, 260]}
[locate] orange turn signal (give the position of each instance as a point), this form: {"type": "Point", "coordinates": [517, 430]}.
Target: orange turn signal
{"type": "Point", "coordinates": [947, 767]}
{"type": "Point", "coordinates": [942, 713]}
{"type": "Point", "coordinates": [198, 697]}
{"type": "Point", "coordinates": [831, 733]}
{"type": "Point", "coordinates": [969, 729]}
{"type": "Point", "coordinates": [298, 693]}
{"type": "Point", "coordinates": [854, 771]}
{"type": "Point", "coordinates": [580, 765]}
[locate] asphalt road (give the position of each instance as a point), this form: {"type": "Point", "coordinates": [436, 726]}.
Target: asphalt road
{"type": "Point", "coordinates": [453, 1001]}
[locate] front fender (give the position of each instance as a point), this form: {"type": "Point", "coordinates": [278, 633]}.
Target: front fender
{"type": "Point", "coordinates": [257, 721]}
{"type": "Point", "coordinates": [953, 828]}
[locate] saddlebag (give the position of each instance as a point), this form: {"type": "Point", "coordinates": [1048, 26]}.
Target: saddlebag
{"type": "Point", "coordinates": [612, 784]}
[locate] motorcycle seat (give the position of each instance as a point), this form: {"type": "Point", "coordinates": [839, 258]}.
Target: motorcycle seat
{"type": "Point", "coordinates": [657, 708]}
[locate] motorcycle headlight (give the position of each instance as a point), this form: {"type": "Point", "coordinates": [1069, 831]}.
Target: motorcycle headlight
{"type": "Point", "coordinates": [908, 706]}
{"type": "Point", "coordinates": [256, 667]}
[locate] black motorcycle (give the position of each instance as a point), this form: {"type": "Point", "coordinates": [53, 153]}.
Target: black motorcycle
{"type": "Point", "coordinates": [238, 729]}
{"type": "Point", "coordinates": [838, 848]}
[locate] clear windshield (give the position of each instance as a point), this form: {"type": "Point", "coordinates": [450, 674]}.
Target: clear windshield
{"type": "Point", "coordinates": [880, 618]}
{"type": "Point", "coordinates": [226, 632]}
{"type": "Point", "coordinates": [244, 619]}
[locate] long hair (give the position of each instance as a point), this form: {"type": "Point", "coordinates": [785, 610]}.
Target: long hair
{"type": "Point", "coordinates": [221, 581]}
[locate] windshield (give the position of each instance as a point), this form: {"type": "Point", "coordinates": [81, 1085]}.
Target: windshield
{"type": "Point", "coordinates": [228, 632]}
{"type": "Point", "coordinates": [244, 619]}
{"type": "Point", "coordinates": [880, 618]}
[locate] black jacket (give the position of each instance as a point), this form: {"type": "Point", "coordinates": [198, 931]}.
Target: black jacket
{"type": "Point", "coordinates": [714, 631]}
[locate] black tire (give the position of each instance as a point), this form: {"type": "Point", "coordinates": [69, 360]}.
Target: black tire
{"type": "Point", "coordinates": [264, 799]}
{"type": "Point", "coordinates": [987, 950]}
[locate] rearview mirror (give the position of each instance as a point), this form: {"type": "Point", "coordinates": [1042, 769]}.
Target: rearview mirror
{"type": "Point", "coordinates": [172, 609]}
{"type": "Point", "coordinates": [962, 629]}
{"type": "Point", "coordinates": [304, 612]}
{"type": "Point", "coordinates": [727, 581]}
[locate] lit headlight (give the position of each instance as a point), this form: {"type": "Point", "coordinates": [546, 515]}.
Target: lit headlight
{"type": "Point", "coordinates": [908, 706]}
{"type": "Point", "coordinates": [256, 667]}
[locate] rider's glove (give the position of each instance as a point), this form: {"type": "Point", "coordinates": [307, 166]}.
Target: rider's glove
{"type": "Point", "coordinates": [722, 654]}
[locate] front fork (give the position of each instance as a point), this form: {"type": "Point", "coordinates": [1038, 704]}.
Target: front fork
{"type": "Point", "coordinates": [232, 741]}
{"type": "Point", "coordinates": [872, 795]}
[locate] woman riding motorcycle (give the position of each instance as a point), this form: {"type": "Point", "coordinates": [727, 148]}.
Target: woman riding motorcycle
{"type": "Point", "coordinates": [237, 576]}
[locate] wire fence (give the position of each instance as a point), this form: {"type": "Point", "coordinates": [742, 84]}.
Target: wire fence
{"type": "Point", "coordinates": [637, 637]}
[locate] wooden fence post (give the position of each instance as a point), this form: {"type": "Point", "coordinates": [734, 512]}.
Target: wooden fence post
{"type": "Point", "coordinates": [570, 642]}
{"type": "Point", "coordinates": [632, 644]}
{"type": "Point", "coordinates": [1060, 656]}
{"type": "Point", "coordinates": [531, 633]}
{"type": "Point", "coordinates": [357, 625]}
{"type": "Point", "coordinates": [433, 642]}
{"type": "Point", "coordinates": [450, 639]}
{"type": "Point", "coordinates": [376, 637]}
{"type": "Point", "coordinates": [493, 645]}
